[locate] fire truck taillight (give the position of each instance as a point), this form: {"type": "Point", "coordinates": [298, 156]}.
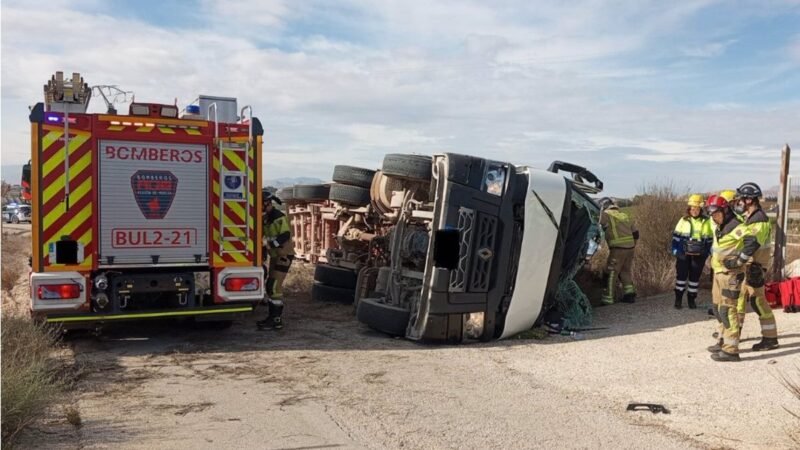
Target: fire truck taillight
{"type": "Point", "coordinates": [238, 284]}
{"type": "Point", "coordinates": [59, 291]}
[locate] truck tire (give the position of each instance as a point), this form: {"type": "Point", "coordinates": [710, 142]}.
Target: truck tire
{"type": "Point", "coordinates": [335, 276]}
{"type": "Point", "coordinates": [388, 319]}
{"type": "Point", "coordinates": [349, 195]}
{"type": "Point", "coordinates": [353, 176]}
{"type": "Point", "coordinates": [311, 192]}
{"type": "Point", "coordinates": [331, 294]}
{"type": "Point", "coordinates": [286, 194]}
{"type": "Point", "coordinates": [408, 167]}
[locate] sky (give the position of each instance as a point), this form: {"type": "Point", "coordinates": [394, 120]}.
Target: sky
{"type": "Point", "coordinates": [699, 93]}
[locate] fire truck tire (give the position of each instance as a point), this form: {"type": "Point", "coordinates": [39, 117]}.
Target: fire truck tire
{"type": "Point", "coordinates": [349, 195]}
{"type": "Point", "coordinates": [335, 276]}
{"type": "Point", "coordinates": [331, 294]}
{"type": "Point", "coordinates": [311, 192]}
{"type": "Point", "coordinates": [388, 319]}
{"type": "Point", "coordinates": [408, 167]}
{"type": "Point", "coordinates": [286, 194]}
{"type": "Point", "coordinates": [353, 176]}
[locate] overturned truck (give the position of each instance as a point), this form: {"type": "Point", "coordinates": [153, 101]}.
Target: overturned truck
{"type": "Point", "coordinates": [455, 247]}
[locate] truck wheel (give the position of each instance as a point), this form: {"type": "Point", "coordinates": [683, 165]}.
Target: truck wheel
{"type": "Point", "coordinates": [353, 176]}
{"type": "Point", "coordinates": [14, 219]}
{"type": "Point", "coordinates": [409, 167]}
{"type": "Point", "coordinates": [311, 192]}
{"type": "Point", "coordinates": [335, 276]}
{"type": "Point", "coordinates": [285, 194]}
{"type": "Point", "coordinates": [349, 195]}
{"type": "Point", "coordinates": [331, 294]}
{"type": "Point", "coordinates": [389, 319]}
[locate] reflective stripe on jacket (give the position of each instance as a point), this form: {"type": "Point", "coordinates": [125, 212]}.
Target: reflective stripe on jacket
{"type": "Point", "coordinates": [728, 243]}
{"type": "Point", "coordinates": [276, 229]}
{"type": "Point", "coordinates": [758, 244]}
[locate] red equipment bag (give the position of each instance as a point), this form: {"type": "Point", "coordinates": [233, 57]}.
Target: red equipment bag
{"type": "Point", "coordinates": [791, 302]}
{"type": "Point", "coordinates": [773, 293]}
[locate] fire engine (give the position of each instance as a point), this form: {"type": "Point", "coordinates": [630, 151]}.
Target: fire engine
{"type": "Point", "coordinates": [153, 214]}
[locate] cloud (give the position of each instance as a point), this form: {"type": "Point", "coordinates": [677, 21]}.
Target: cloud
{"type": "Point", "coordinates": [709, 50]}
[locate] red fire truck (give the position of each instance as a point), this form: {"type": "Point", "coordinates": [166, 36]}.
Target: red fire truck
{"type": "Point", "coordinates": [145, 215]}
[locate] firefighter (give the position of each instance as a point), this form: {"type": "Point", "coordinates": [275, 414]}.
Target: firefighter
{"type": "Point", "coordinates": [736, 204]}
{"type": "Point", "coordinates": [757, 244]}
{"type": "Point", "coordinates": [691, 244]}
{"type": "Point", "coordinates": [621, 236]}
{"type": "Point", "coordinates": [278, 238]}
{"type": "Point", "coordinates": [732, 250]}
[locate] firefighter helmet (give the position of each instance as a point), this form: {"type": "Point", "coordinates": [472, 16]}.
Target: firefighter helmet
{"type": "Point", "coordinates": [267, 196]}
{"type": "Point", "coordinates": [695, 200]}
{"type": "Point", "coordinates": [749, 190]}
{"type": "Point", "coordinates": [728, 195]}
{"type": "Point", "coordinates": [716, 203]}
{"type": "Point", "coordinates": [605, 203]}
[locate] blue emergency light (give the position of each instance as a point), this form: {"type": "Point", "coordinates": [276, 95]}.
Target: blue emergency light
{"type": "Point", "coordinates": [193, 109]}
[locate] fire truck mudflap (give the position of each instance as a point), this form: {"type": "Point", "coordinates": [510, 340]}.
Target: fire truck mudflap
{"type": "Point", "coordinates": [142, 216]}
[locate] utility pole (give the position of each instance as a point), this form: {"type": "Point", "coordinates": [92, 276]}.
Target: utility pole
{"type": "Point", "coordinates": [779, 260]}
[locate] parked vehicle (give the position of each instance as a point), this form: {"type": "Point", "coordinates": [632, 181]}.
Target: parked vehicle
{"type": "Point", "coordinates": [14, 213]}
{"type": "Point", "coordinates": [143, 215]}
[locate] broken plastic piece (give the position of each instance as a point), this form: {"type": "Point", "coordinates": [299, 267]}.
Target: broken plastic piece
{"type": "Point", "coordinates": [653, 407]}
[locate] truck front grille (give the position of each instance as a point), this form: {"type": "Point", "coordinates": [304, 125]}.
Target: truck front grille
{"type": "Point", "coordinates": [458, 277]}
{"type": "Point", "coordinates": [484, 253]}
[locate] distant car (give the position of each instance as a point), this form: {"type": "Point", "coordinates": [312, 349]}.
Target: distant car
{"type": "Point", "coordinates": [17, 213]}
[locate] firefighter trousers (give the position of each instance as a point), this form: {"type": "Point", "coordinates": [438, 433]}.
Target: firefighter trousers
{"type": "Point", "coordinates": [687, 274]}
{"type": "Point", "coordinates": [753, 293]}
{"type": "Point", "coordinates": [725, 296]}
{"type": "Point", "coordinates": [277, 270]}
{"type": "Point", "coordinates": [620, 261]}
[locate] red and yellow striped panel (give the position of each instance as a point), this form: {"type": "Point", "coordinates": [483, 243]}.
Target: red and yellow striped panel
{"type": "Point", "coordinates": [168, 130]}
{"type": "Point", "coordinates": [58, 220]}
{"type": "Point", "coordinates": [236, 252]}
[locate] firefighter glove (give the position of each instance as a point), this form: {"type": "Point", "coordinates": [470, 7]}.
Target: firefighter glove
{"type": "Point", "coordinates": [733, 263]}
{"type": "Point", "coordinates": [274, 243]}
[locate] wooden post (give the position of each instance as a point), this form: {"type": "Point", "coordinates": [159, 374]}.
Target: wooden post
{"type": "Point", "coordinates": [778, 261]}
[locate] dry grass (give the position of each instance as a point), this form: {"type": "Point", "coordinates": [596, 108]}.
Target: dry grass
{"type": "Point", "coordinates": [14, 253]}
{"type": "Point", "coordinates": [31, 375]}
{"type": "Point", "coordinates": [299, 280]}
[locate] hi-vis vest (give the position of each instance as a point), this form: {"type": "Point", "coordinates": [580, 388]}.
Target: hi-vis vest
{"type": "Point", "coordinates": [695, 229]}
{"type": "Point", "coordinates": [619, 232]}
{"type": "Point", "coordinates": [274, 229]}
{"type": "Point", "coordinates": [727, 246]}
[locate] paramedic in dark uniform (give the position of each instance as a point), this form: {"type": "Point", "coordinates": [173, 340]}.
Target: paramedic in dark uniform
{"type": "Point", "coordinates": [280, 249]}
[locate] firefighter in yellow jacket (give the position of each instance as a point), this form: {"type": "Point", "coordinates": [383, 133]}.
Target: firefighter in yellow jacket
{"type": "Point", "coordinates": [757, 244]}
{"type": "Point", "coordinates": [280, 249]}
{"type": "Point", "coordinates": [731, 250]}
{"type": "Point", "coordinates": [621, 236]}
{"type": "Point", "coordinates": [691, 244]}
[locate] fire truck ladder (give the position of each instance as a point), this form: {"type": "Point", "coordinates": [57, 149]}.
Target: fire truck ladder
{"type": "Point", "coordinates": [236, 192]}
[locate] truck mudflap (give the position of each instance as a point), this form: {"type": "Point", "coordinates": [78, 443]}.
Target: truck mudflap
{"type": "Point", "coordinates": [225, 312]}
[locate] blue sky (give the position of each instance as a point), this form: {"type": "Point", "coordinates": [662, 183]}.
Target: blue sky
{"type": "Point", "coordinates": [703, 93]}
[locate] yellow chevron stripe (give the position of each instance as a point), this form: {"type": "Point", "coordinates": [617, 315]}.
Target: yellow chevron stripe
{"type": "Point", "coordinates": [116, 127]}
{"type": "Point", "coordinates": [81, 165]}
{"type": "Point", "coordinates": [144, 129]}
{"type": "Point", "coordinates": [74, 197]}
{"type": "Point", "coordinates": [58, 158]}
{"type": "Point", "coordinates": [75, 222]}
{"type": "Point", "coordinates": [237, 209]}
{"type": "Point", "coordinates": [237, 161]}
{"type": "Point", "coordinates": [238, 257]}
{"type": "Point", "coordinates": [193, 132]}
{"type": "Point", "coordinates": [166, 130]}
{"type": "Point", "coordinates": [49, 138]}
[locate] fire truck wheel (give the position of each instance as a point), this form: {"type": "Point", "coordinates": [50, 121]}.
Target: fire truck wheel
{"type": "Point", "coordinates": [349, 195]}
{"type": "Point", "coordinates": [286, 194]}
{"type": "Point", "coordinates": [409, 167]}
{"type": "Point", "coordinates": [335, 276]}
{"type": "Point", "coordinates": [353, 176]}
{"type": "Point", "coordinates": [389, 319]}
{"type": "Point", "coordinates": [311, 192]}
{"type": "Point", "coordinates": [331, 294]}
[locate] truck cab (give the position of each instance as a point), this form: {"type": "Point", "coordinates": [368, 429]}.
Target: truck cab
{"type": "Point", "coordinates": [476, 249]}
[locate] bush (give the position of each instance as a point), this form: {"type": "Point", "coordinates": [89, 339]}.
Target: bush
{"type": "Point", "coordinates": [656, 210]}
{"type": "Point", "coordinates": [30, 373]}
{"type": "Point", "coordinates": [15, 249]}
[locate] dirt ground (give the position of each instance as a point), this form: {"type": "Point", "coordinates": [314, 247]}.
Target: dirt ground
{"type": "Point", "coordinates": [326, 381]}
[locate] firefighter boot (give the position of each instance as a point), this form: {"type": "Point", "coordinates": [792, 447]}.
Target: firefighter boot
{"type": "Point", "coordinates": [690, 298]}
{"type": "Point", "coordinates": [722, 356]}
{"type": "Point", "coordinates": [274, 320]}
{"type": "Point", "coordinates": [678, 299]}
{"type": "Point", "coordinates": [716, 348]}
{"type": "Point", "coordinates": [766, 344]}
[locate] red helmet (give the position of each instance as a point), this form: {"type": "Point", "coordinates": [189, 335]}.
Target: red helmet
{"type": "Point", "coordinates": [715, 203]}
